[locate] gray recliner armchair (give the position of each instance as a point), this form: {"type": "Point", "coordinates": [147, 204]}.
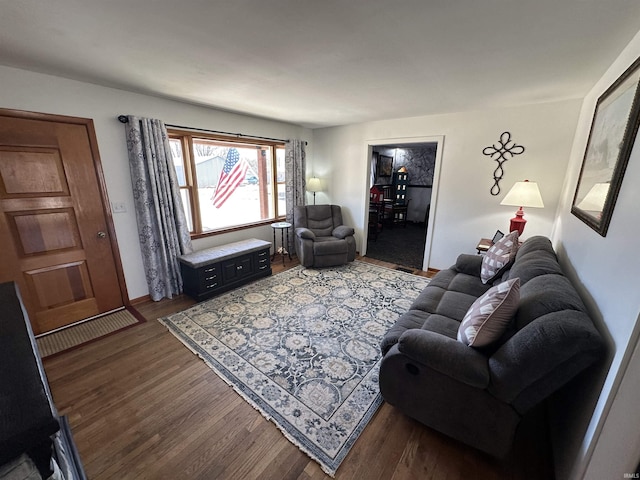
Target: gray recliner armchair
{"type": "Point", "coordinates": [320, 239]}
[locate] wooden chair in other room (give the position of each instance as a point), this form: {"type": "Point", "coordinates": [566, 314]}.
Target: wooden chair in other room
{"type": "Point", "coordinates": [397, 213]}
{"type": "Point", "coordinates": [376, 216]}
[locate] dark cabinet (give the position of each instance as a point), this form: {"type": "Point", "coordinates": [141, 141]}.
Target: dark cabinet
{"type": "Point", "coordinates": [208, 272]}
{"type": "Point", "coordinates": [263, 261]}
{"type": "Point", "coordinates": [209, 277]}
{"type": "Point", "coordinates": [236, 269]}
{"type": "Point", "coordinates": [33, 437]}
{"type": "Point", "coordinates": [400, 184]}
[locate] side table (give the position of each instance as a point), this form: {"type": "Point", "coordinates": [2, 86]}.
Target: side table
{"type": "Point", "coordinates": [484, 244]}
{"type": "Point", "coordinates": [284, 230]}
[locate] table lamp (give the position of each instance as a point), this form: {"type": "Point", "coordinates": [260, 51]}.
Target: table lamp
{"type": "Point", "coordinates": [522, 194]}
{"type": "Point", "coordinates": [595, 198]}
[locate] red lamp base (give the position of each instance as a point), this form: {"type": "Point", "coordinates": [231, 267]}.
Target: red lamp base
{"type": "Point", "coordinates": [517, 222]}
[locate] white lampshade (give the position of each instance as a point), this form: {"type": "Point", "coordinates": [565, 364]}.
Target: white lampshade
{"type": "Point", "coordinates": [524, 194]}
{"type": "Point", "coordinates": [314, 185]}
{"type": "Point", "coordinates": [594, 200]}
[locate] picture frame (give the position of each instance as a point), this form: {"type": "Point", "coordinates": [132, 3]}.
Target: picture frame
{"type": "Point", "coordinates": [385, 166]}
{"type": "Point", "coordinates": [497, 236]}
{"type": "Point", "coordinates": [613, 132]}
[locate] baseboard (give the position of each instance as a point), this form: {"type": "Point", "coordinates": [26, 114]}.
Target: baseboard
{"type": "Point", "coordinates": [139, 300]}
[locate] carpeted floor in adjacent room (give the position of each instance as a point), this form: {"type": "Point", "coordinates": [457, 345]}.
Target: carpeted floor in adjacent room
{"type": "Point", "coordinates": [399, 245]}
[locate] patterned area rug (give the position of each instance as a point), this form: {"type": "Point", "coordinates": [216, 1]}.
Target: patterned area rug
{"type": "Point", "coordinates": [302, 347]}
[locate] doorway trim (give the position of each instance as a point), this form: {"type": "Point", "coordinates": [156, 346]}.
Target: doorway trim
{"type": "Point", "coordinates": [437, 139]}
{"type": "Point", "coordinates": [102, 186]}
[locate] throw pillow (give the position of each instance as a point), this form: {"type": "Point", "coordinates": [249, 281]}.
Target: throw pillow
{"type": "Point", "coordinates": [499, 257]}
{"type": "Point", "coordinates": [488, 317]}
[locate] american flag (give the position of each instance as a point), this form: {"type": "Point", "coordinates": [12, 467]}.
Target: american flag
{"type": "Point", "coordinates": [233, 172]}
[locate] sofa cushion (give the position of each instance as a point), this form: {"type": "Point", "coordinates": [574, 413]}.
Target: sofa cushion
{"type": "Point", "coordinates": [499, 257]}
{"type": "Point", "coordinates": [546, 294]}
{"type": "Point", "coordinates": [469, 264]}
{"type": "Point", "coordinates": [489, 316]}
{"type": "Point", "coordinates": [469, 284]}
{"type": "Point", "coordinates": [535, 245]}
{"type": "Point", "coordinates": [535, 264]}
{"type": "Point", "coordinates": [442, 325]}
{"type": "Point", "coordinates": [429, 298]}
{"type": "Point", "coordinates": [409, 320]}
{"type": "Point", "coordinates": [455, 304]}
{"type": "Point", "coordinates": [452, 281]}
{"type": "Point", "coordinates": [450, 294]}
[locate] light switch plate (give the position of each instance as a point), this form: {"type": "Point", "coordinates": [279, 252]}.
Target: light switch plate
{"type": "Point", "coordinates": [118, 207]}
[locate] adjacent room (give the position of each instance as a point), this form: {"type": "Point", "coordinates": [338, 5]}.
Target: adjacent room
{"type": "Point", "coordinates": [399, 202]}
{"type": "Point", "coordinates": [309, 240]}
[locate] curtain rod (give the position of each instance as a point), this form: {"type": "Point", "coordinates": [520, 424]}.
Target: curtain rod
{"type": "Point", "coordinates": [125, 119]}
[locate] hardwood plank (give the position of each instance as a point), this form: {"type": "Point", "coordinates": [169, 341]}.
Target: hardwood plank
{"type": "Point", "coordinates": [141, 405]}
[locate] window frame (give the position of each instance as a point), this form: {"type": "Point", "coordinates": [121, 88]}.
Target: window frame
{"type": "Point", "coordinates": [186, 138]}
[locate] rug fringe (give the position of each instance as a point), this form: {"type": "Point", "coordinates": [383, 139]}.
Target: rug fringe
{"type": "Point", "coordinates": [288, 436]}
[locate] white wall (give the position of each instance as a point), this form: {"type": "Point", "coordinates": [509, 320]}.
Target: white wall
{"type": "Point", "coordinates": [606, 271]}
{"type": "Point", "coordinates": [25, 90]}
{"type": "Point", "coordinates": [464, 210]}
{"type": "Point", "coordinates": [603, 269]}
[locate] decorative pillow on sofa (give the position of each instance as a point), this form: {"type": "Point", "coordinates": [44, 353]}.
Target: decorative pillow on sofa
{"type": "Point", "coordinates": [488, 317]}
{"type": "Point", "coordinates": [499, 257]}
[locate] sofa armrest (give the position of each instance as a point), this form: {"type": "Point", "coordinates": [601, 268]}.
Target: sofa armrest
{"type": "Point", "coordinates": [342, 231]}
{"type": "Point", "coordinates": [543, 356]}
{"type": "Point", "coordinates": [446, 355]}
{"type": "Point", "coordinates": [469, 264]}
{"type": "Point", "coordinates": [305, 233]}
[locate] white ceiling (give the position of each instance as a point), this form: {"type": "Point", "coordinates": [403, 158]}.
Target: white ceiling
{"type": "Point", "coordinates": [325, 62]}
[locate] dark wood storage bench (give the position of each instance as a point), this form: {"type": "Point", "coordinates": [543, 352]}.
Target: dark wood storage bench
{"type": "Point", "coordinates": [208, 272]}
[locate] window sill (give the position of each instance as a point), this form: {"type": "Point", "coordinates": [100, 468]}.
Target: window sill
{"type": "Point", "coordinates": [236, 228]}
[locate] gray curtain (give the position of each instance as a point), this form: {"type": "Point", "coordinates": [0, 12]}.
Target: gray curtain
{"type": "Point", "coordinates": [162, 225]}
{"type": "Point", "coordinates": [295, 182]}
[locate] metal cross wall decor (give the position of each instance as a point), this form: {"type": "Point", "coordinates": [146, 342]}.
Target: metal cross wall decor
{"type": "Point", "coordinates": [503, 151]}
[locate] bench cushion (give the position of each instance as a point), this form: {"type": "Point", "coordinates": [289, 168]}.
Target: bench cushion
{"type": "Point", "coordinates": [223, 252]}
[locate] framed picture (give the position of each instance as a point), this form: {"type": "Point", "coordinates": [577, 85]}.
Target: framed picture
{"type": "Point", "coordinates": [385, 166]}
{"type": "Point", "coordinates": [613, 133]}
{"type": "Point", "coordinates": [497, 236]}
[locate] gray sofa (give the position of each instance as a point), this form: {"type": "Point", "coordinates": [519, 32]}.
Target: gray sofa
{"type": "Point", "coordinates": [479, 395]}
{"type": "Point", "coordinates": [320, 239]}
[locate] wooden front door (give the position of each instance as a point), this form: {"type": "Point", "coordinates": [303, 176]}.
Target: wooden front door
{"type": "Point", "coordinates": [56, 236]}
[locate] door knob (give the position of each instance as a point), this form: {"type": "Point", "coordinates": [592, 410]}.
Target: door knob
{"type": "Point", "coordinates": [102, 235]}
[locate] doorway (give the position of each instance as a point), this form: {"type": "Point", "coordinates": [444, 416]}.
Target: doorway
{"type": "Point", "coordinates": [57, 240]}
{"type": "Point", "coordinates": [399, 230]}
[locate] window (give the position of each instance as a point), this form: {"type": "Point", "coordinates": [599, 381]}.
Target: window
{"type": "Point", "coordinates": [228, 183]}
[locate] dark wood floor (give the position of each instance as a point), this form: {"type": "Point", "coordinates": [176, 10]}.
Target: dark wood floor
{"type": "Point", "coordinates": [141, 405]}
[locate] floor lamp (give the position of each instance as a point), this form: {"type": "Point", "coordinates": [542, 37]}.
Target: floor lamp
{"type": "Point", "coordinates": [313, 185]}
